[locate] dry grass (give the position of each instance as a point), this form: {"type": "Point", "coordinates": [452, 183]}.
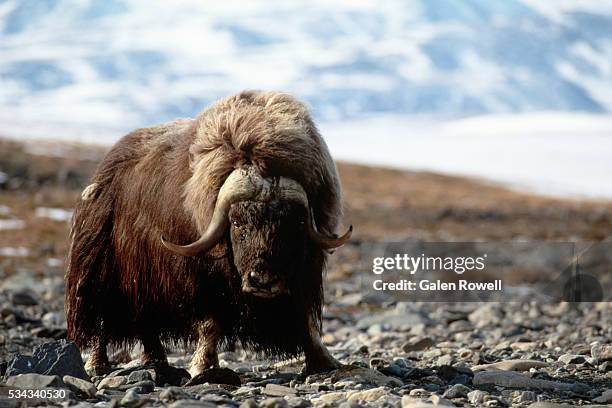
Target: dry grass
{"type": "Point", "coordinates": [387, 203]}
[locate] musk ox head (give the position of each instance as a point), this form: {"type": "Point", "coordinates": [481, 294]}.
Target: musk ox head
{"type": "Point", "coordinates": [271, 224]}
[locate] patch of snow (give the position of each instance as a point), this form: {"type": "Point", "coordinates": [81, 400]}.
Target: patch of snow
{"type": "Point", "coordinates": [5, 210]}
{"type": "Point", "coordinates": [11, 224]}
{"type": "Point", "coordinates": [56, 214]}
{"type": "Point", "coordinates": [18, 252]}
{"type": "Point", "coordinates": [54, 262]}
{"type": "Point", "coordinates": [560, 154]}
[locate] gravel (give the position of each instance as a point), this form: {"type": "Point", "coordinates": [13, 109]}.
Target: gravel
{"type": "Point", "coordinates": [394, 354]}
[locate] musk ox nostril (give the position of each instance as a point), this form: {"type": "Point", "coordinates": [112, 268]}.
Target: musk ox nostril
{"type": "Point", "coordinates": [253, 280]}
{"type": "Point", "coordinates": [261, 280]}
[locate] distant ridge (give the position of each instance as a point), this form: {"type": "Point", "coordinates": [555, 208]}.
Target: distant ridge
{"type": "Point", "coordinates": [130, 63]}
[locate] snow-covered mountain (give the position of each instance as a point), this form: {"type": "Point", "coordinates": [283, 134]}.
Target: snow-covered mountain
{"type": "Point", "coordinates": [117, 64]}
{"type": "Point", "coordinates": [517, 91]}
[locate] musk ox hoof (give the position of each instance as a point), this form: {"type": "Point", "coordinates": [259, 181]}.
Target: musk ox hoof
{"type": "Point", "coordinates": [197, 369]}
{"type": "Point", "coordinates": [98, 370]}
{"type": "Point", "coordinates": [216, 376]}
{"type": "Point", "coordinates": [319, 367]}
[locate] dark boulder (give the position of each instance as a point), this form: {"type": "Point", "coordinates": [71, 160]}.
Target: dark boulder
{"type": "Point", "coordinates": [55, 358]}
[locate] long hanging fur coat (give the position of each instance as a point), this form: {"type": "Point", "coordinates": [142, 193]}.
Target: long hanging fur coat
{"type": "Point", "coordinates": [123, 285]}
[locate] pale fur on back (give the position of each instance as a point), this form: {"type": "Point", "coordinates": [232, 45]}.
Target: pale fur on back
{"type": "Point", "coordinates": [272, 131]}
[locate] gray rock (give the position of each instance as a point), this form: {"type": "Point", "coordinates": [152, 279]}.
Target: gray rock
{"type": "Point", "coordinates": [605, 397]}
{"type": "Point", "coordinates": [444, 360]}
{"type": "Point", "coordinates": [20, 364]}
{"type": "Point", "coordinates": [544, 404]}
{"type": "Point", "coordinates": [23, 298]}
{"type": "Point", "coordinates": [55, 358]}
{"type": "Point", "coordinates": [488, 314]}
{"type": "Point", "coordinates": [276, 390]}
{"type": "Point", "coordinates": [457, 391]}
{"type": "Point", "coordinates": [219, 400]}
{"type": "Point", "coordinates": [403, 363]}
{"type": "Point", "coordinates": [192, 404]}
{"type": "Point", "coordinates": [439, 401]}
{"type": "Point", "coordinates": [107, 394]}
{"type": "Point", "coordinates": [247, 391]}
{"type": "Point", "coordinates": [161, 373]}
{"type": "Point", "coordinates": [80, 387]}
{"type": "Point", "coordinates": [130, 399]}
{"type": "Point", "coordinates": [274, 403]}
{"type": "Point", "coordinates": [140, 375]}
{"type": "Point", "coordinates": [511, 379]}
{"type": "Point", "coordinates": [351, 299]}
{"type": "Point", "coordinates": [371, 395]}
{"type": "Point", "coordinates": [34, 381]}
{"type": "Point", "coordinates": [418, 392]}
{"type": "Point", "coordinates": [61, 358]}
{"type": "Point", "coordinates": [376, 329]}
{"type": "Point", "coordinates": [511, 365]}
{"type": "Point", "coordinates": [602, 352]}
{"type": "Point", "coordinates": [6, 402]}
{"type": "Point", "coordinates": [173, 394]}
{"type": "Point", "coordinates": [433, 380]}
{"type": "Point", "coordinates": [393, 369]}
{"type": "Point", "coordinates": [391, 320]}
{"type": "Point", "coordinates": [418, 345]}
{"type": "Point", "coordinates": [330, 398]}
{"type": "Point", "coordinates": [571, 359]}
{"type": "Point", "coordinates": [431, 354]}
{"type": "Point", "coordinates": [477, 397]}
{"type": "Point", "coordinates": [297, 402]}
{"type": "Point", "coordinates": [112, 382]}
{"type": "Point", "coordinates": [409, 402]}
{"type": "Point", "coordinates": [249, 403]}
{"type": "Point", "coordinates": [141, 387]}
{"type": "Point", "coordinates": [53, 319]}
{"type": "Point", "coordinates": [524, 345]}
{"type": "Point", "coordinates": [357, 375]}
{"type": "Point", "coordinates": [526, 396]}
{"type": "Point", "coordinates": [350, 404]}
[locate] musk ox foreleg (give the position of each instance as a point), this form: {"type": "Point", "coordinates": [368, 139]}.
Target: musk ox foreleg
{"type": "Point", "coordinates": [97, 363]}
{"type": "Point", "coordinates": [205, 356]}
{"type": "Point", "coordinates": [318, 358]}
{"type": "Point", "coordinates": [153, 350]}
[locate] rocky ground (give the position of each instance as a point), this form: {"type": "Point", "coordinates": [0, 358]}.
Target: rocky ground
{"type": "Point", "coordinates": [396, 353]}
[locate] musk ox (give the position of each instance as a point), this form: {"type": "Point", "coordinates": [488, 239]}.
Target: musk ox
{"type": "Point", "coordinates": [212, 230]}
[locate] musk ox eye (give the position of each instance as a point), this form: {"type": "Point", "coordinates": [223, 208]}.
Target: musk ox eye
{"type": "Point", "coordinates": [235, 224]}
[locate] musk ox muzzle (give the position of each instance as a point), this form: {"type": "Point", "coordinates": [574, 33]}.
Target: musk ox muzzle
{"type": "Point", "coordinates": [261, 282]}
{"type": "Point", "coordinates": [246, 184]}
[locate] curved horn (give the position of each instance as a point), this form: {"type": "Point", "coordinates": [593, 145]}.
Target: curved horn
{"type": "Point", "coordinates": [325, 241]}
{"type": "Point", "coordinates": [289, 189]}
{"type": "Point", "coordinates": [242, 184]}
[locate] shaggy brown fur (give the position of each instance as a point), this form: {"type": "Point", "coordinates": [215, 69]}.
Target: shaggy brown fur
{"type": "Point", "coordinates": [275, 133]}
{"type": "Point", "coordinates": [122, 285]}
